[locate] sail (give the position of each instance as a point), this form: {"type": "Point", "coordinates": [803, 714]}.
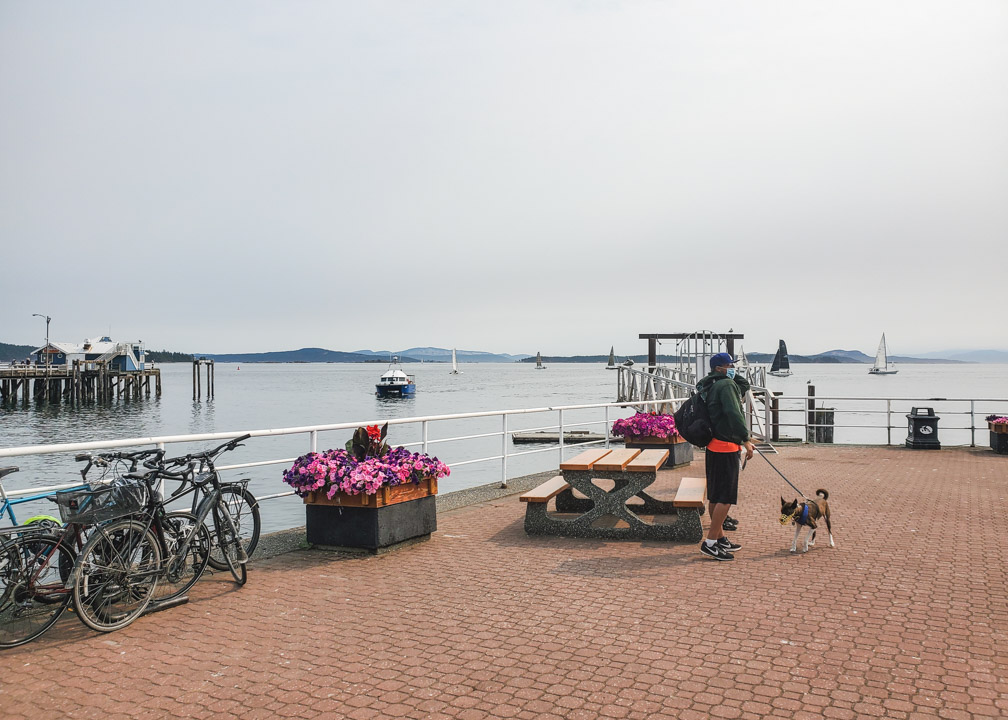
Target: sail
{"type": "Point", "coordinates": [881, 360]}
{"type": "Point", "coordinates": [612, 357]}
{"type": "Point", "coordinates": [454, 362]}
{"type": "Point", "coordinates": [780, 360]}
{"type": "Point", "coordinates": [539, 365]}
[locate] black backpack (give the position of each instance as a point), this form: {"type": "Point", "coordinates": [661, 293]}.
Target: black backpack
{"type": "Point", "coordinates": [693, 421]}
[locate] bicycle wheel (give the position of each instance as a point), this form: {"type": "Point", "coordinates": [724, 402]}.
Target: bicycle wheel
{"type": "Point", "coordinates": [32, 595]}
{"type": "Point", "coordinates": [230, 543]}
{"type": "Point", "coordinates": [117, 574]}
{"type": "Point", "coordinates": [181, 572]}
{"type": "Point", "coordinates": [244, 509]}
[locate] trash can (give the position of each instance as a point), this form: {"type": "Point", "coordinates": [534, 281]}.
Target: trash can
{"type": "Point", "coordinates": [922, 429]}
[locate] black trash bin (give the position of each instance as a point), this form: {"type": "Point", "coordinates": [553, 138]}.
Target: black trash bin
{"type": "Point", "coordinates": [922, 429]}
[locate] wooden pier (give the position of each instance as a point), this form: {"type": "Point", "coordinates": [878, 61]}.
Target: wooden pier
{"type": "Point", "coordinates": [77, 383]}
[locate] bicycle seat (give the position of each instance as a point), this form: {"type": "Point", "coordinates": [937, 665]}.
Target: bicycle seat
{"type": "Point", "coordinates": [8, 470]}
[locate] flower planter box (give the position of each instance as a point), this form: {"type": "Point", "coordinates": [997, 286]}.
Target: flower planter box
{"type": "Point", "coordinates": [999, 428]}
{"type": "Point", "coordinates": [394, 515]}
{"type": "Point", "coordinates": [680, 451]}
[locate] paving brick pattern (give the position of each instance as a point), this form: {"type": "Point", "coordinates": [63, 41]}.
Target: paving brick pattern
{"type": "Point", "coordinates": [906, 618]}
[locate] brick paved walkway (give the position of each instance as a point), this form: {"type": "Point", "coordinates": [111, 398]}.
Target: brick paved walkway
{"type": "Point", "coordinates": [906, 618]}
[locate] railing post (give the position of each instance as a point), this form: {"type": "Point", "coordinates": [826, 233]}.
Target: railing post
{"type": "Point", "coordinates": [972, 423]}
{"type": "Point", "coordinates": [313, 442]}
{"type": "Point", "coordinates": [423, 425]}
{"type": "Point", "coordinates": [606, 427]}
{"type": "Point", "coordinates": [888, 421]}
{"type": "Point", "coordinates": [561, 444]}
{"type": "Point", "coordinates": [504, 449]}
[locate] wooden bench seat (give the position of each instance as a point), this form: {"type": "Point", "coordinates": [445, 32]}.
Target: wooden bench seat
{"type": "Point", "coordinates": [545, 492]}
{"type": "Point", "coordinates": [692, 493]}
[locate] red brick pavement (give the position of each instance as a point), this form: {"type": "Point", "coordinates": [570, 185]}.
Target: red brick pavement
{"type": "Point", "coordinates": [906, 618]}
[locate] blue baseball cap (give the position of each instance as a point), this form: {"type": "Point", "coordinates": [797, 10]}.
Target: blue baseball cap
{"type": "Point", "coordinates": [719, 359]}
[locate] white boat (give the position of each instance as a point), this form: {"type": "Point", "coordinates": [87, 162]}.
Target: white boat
{"type": "Point", "coordinates": [539, 365]}
{"type": "Point", "coordinates": [781, 366]}
{"type": "Point", "coordinates": [882, 365]}
{"type": "Point", "coordinates": [454, 370]}
{"type": "Point", "coordinates": [612, 359]}
{"type": "Point", "coordinates": [394, 382]}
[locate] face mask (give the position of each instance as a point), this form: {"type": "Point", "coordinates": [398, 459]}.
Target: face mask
{"type": "Point", "coordinates": [731, 373]}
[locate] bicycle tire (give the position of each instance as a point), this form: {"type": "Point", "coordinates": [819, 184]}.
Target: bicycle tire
{"type": "Point", "coordinates": [32, 595]}
{"type": "Point", "coordinates": [244, 509]}
{"type": "Point", "coordinates": [180, 574]}
{"type": "Point", "coordinates": [116, 575]}
{"type": "Point", "coordinates": [232, 548]}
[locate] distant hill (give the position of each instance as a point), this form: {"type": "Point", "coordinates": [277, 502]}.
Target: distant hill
{"type": "Point", "coordinates": [304, 355]}
{"type": "Point", "coordinates": [433, 354]}
{"type": "Point", "coordinates": [320, 355]}
{"type": "Point", "coordinates": [846, 356]}
{"type": "Point", "coordinates": [15, 352]}
{"type": "Point", "coordinates": [976, 356]}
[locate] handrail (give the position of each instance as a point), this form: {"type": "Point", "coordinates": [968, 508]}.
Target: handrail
{"type": "Point", "coordinates": [759, 420]}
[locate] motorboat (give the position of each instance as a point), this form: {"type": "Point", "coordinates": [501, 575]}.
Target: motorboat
{"type": "Point", "coordinates": [394, 382]}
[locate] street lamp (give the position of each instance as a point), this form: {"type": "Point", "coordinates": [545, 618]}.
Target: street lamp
{"type": "Point", "coordinates": [47, 319]}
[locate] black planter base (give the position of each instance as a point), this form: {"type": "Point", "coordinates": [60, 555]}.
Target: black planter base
{"type": "Point", "coordinates": [999, 442]}
{"type": "Point", "coordinates": [371, 529]}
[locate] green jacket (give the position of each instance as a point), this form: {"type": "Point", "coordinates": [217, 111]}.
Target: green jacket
{"type": "Point", "coordinates": [724, 403]}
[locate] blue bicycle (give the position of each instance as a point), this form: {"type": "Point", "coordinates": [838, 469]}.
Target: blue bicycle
{"type": "Point", "coordinates": [7, 504]}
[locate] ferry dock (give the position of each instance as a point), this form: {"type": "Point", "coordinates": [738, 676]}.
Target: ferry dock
{"type": "Point", "coordinates": [906, 618]}
{"type": "Point", "coordinates": [75, 383]}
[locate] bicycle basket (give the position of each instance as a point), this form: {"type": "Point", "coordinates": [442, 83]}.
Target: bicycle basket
{"type": "Point", "coordinates": [96, 505]}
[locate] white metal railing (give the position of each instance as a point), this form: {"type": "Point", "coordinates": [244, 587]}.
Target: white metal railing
{"type": "Point", "coordinates": [759, 407]}
{"type": "Point", "coordinates": [608, 412]}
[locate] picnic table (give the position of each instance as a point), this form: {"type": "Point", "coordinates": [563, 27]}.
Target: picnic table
{"type": "Point", "coordinates": [609, 514]}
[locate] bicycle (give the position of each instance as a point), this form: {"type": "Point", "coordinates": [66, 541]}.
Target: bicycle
{"type": "Point", "coordinates": [242, 505]}
{"type": "Point", "coordinates": [7, 504]}
{"type": "Point", "coordinates": [121, 564]}
{"type": "Point", "coordinates": [36, 563]}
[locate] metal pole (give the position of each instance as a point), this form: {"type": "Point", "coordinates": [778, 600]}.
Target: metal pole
{"type": "Point", "coordinates": [888, 421]}
{"type": "Point", "coordinates": [504, 439]}
{"type": "Point", "coordinates": [313, 442]}
{"type": "Point", "coordinates": [972, 423]}
{"type": "Point", "coordinates": [561, 444]}
{"type": "Point", "coordinates": [606, 427]}
{"type": "Point", "coordinates": [423, 425]}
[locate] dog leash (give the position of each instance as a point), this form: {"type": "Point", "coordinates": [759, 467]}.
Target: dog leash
{"type": "Point", "coordinates": [806, 499]}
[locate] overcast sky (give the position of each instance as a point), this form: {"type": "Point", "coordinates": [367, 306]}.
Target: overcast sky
{"type": "Point", "coordinates": [504, 176]}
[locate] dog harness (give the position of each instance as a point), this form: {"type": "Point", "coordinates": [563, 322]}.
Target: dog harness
{"type": "Point", "coordinates": [803, 520]}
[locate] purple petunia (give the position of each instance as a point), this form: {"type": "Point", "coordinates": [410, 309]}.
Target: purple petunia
{"type": "Point", "coordinates": [338, 471]}
{"type": "Point", "coordinates": [646, 425]}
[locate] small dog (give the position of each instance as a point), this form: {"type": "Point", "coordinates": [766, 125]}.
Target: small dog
{"type": "Point", "coordinates": [806, 513]}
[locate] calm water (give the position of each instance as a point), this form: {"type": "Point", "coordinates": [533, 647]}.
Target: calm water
{"type": "Point", "coordinates": [260, 396]}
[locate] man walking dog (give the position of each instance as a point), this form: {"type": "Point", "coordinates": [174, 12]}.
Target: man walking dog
{"type": "Point", "coordinates": [722, 390]}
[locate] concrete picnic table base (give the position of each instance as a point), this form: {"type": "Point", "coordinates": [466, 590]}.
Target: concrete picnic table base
{"type": "Point", "coordinates": [600, 503]}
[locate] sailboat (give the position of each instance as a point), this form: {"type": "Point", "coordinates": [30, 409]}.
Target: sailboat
{"type": "Point", "coordinates": [882, 365]}
{"type": "Point", "coordinates": [781, 366]}
{"type": "Point", "coordinates": [454, 370]}
{"type": "Point", "coordinates": [539, 365]}
{"type": "Point", "coordinates": [612, 359]}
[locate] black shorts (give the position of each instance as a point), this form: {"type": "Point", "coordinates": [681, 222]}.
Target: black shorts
{"type": "Point", "coordinates": [722, 476]}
